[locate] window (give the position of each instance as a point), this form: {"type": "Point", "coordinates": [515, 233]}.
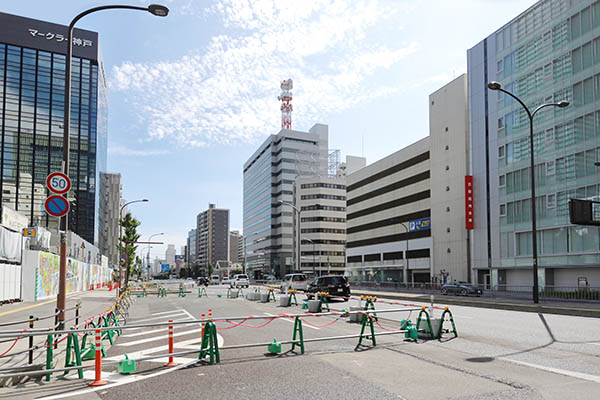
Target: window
{"type": "Point", "coordinates": [548, 70]}
{"type": "Point", "coordinates": [500, 123]}
{"type": "Point", "coordinates": [502, 210]}
{"type": "Point", "coordinates": [549, 135]}
{"type": "Point", "coordinates": [502, 180]}
{"type": "Point", "coordinates": [501, 152]}
{"type": "Point", "coordinates": [550, 168]}
{"type": "Point", "coordinates": [547, 38]}
{"type": "Point", "coordinates": [551, 200]}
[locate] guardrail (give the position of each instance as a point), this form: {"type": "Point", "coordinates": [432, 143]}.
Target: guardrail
{"type": "Point", "coordinates": [52, 334]}
{"type": "Point", "coordinates": [548, 292]}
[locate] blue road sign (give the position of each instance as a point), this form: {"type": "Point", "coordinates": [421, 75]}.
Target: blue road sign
{"type": "Point", "coordinates": [56, 205]}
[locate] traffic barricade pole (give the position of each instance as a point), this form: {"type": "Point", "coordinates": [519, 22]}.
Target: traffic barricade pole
{"type": "Point", "coordinates": [171, 362]}
{"type": "Point", "coordinates": [98, 370]}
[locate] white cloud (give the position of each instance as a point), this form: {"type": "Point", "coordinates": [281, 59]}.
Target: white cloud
{"type": "Point", "coordinates": [119, 150]}
{"type": "Point", "coordinates": [227, 92]}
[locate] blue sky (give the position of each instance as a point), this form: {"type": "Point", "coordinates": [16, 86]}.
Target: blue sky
{"type": "Point", "coordinates": [192, 95]}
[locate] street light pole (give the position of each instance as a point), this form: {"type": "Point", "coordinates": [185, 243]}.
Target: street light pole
{"type": "Point", "coordinates": [148, 258]}
{"type": "Point", "coordinates": [298, 211]}
{"type": "Point", "coordinates": [121, 241]}
{"type": "Point", "coordinates": [314, 253]}
{"type": "Point", "coordinates": [155, 9]}
{"type": "Point", "coordinates": [531, 115]}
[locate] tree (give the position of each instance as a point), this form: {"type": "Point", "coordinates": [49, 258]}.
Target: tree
{"type": "Point", "coordinates": [236, 271]}
{"type": "Point", "coordinates": [130, 236]}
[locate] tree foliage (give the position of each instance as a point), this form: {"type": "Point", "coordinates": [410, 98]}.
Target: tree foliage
{"type": "Point", "coordinates": [127, 246]}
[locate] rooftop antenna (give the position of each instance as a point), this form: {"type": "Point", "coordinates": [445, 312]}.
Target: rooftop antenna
{"type": "Point", "coordinates": [286, 107]}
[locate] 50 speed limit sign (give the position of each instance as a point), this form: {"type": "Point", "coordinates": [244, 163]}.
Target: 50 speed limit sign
{"type": "Point", "coordinates": [58, 183]}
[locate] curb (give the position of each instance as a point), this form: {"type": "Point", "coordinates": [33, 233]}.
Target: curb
{"type": "Point", "coordinates": [425, 298]}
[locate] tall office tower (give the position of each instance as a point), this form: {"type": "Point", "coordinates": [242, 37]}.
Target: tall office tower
{"type": "Point", "coordinates": [234, 238]}
{"type": "Point", "coordinates": [170, 254]}
{"type": "Point", "coordinates": [191, 247]}
{"type": "Point", "coordinates": [212, 236]}
{"type": "Point", "coordinates": [269, 176]}
{"type": "Point", "coordinates": [549, 53]}
{"type": "Point", "coordinates": [108, 216]}
{"type": "Point", "coordinates": [32, 87]}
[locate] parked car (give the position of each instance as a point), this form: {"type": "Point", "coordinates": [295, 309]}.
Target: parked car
{"type": "Point", "coordinates": [215, 280]}
{"type": "Point", "coordinates": [294, 281]}
{"type": "Point", "coordinates": [461, 288]}
{"type": "Point", "coordinates": [203, 281]}
{"type": "Point", "coordinates": [334, 285]}
{"type": "Point", "coordinates": [225, 280]}
{"type": "Point", "coordinates": [239, 280]}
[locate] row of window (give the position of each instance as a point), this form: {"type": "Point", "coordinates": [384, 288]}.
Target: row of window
{"type": "Point", "coordinates": [322, 219]}
{"type": "Point", "coordinates": [554, 241]}
{"type": "Point", "coordinates": [323, 230]}
{"type": "Point", "coordinates": [316, 207]}
{"type": "Point", "coordinates": [395, 255]}
{"type": "Point", "coordinates": [322, 185]}
{"type": "Point", "coordinates": [321, 196]}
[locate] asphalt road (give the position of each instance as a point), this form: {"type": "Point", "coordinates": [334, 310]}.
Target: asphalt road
{"type": "Point", "coordinates": [498, 354]}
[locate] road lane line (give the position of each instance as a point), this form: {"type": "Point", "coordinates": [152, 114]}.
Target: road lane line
{"type": "Point", "coordinates": [573, 374]}
{"type": "Point", "coordinates": [164, 317]}
{"type": "Point", "coordinates": [37, 305]}
{"type": "Point", "coordinates": [166, 312]}
{"type": "Point", "coordinates": [155, 338]}
{"type": "Point", "coordinates": [292, 321]}
{"type": "Point", "coordinates": [154, 330]}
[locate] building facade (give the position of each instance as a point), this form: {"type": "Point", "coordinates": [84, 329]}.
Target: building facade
{"type": "Point", "coordinates": [32, 85]}
{"type": "Point", "coordinates": [269, 176]}
{"type": "Point", "coordinates": [108, 216]}
{"type": "Point", "coordinates": [192, 245]}
{"type": "Point", "coordinates": [322, 205]}
{"type": "Point", "coordinates": [549, 53]}
{"type": "Point", "coordinates": [212, 236]}
{"type": "Point", "coordinates": [406, 212]}
{"type": "Point", "coordinates": [234, 239]}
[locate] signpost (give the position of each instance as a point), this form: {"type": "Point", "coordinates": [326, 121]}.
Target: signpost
{"type": "Point", "coordinates": [56, 205]}
{"type": "Point", "coordinates": [58, 183]}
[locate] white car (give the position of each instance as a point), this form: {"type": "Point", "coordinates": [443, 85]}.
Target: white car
{"type": "Point", "coordinates": [239, 280]}
{"type": "Point", "coordinates": [294, 281]}
{"type": "Point", "coordinates": [215, 280]}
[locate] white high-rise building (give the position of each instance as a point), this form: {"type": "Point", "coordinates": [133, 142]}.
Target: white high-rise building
{"type": "Point", "coordinates": [269, 176]}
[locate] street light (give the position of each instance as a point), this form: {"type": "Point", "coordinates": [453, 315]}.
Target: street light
{"type": "Point", "coordinates": [148, 258]}
{"type": "Point", "coordinates": [121, 240]}
{"type": "Point", "coordinates": [298, 211]}
{"type": "Point", "coordinates": [530, 114]}
{"type": "Point", "coordinates": [154, 9]}
{"type": "Point", "coordinates": [314, 253]}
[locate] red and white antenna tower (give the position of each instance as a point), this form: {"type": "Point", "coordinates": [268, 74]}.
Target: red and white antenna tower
{"type": "Point", "coordinates": [286, 107]}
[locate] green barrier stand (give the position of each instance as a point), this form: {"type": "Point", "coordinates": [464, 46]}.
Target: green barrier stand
{"type": "Point", "coordinates": [323, 301]}
{"type": "Point", "coordinates": [108, 334]}
{"type": "Point", "coordinates": [275, 347]}
{"type": "Point", "coordinates": [442, 320]}
{"type": "Point", "coordinates": [271, 295]}
{"type": "Point", "coordinates": [181, 293]}
{"type": "Point", "coordinates": [370, 305]}
{"type": "Point", "coordinates": [228, 293]}
{"type": "Point", "coordinates": [411, 330]}
{"type": "Point", "coordinates": [210, 346]}
{"type": "Point", "coordinates": [240, 292]}
{"type": "Point", "coordinates": [145, 293]}
{"type": "Point", "coordinates": [366, 320]}
{"type": "Point", "coordinates": [202, 292]}
{"type": "Point", "coordinates": [292, 299]}
{"type": "Point", "coordinates": [298, 332]}
{"type": "Point", "coordinates": [305, 305]}
{"type": "Point", "coordinates": [49, 355]}
{"type": "Point", "coordinates": [115, 321]}
{"type": "Point", "coordinates": [73, 347]}
{"type": "Point", "coordinates": [126, 366]}
{"type": "Point", "coordinates": [424, 311]}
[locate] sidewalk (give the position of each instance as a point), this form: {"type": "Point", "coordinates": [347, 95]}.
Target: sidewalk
{"type": "Point", "coordinates": [549, 307]}
{"type": "Point", "coordinates": [92, 303]}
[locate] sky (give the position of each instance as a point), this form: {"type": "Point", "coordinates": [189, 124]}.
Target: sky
{"type": "Point", "coordinates": [191, 96]}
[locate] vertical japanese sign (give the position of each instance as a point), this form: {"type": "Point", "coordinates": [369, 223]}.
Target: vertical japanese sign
{"type": "Point", "coordinates": [468, 202]}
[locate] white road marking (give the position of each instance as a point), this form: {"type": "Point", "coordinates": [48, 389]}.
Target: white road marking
{"type": "Point", "coordinates": [579, 375]}
{"type": "Point", "coordinates": [162, 337]}
{"type": "Point", "coordinates": [292, 321]}
{"type": "Point", "coordinates": [156, 329]}
{"type": "Point", "coordinates": [165, 312]}
{"type": "Point", "coordinates": [164, 318]}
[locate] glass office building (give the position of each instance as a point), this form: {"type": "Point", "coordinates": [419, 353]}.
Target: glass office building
{"type": "Point", "coordinates": [32, 88]}
{"type": "Point", "coordinates": [549, 53]}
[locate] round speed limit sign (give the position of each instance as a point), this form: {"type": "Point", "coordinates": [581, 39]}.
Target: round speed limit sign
{"type": "Point", "coordinates": [58, 183]}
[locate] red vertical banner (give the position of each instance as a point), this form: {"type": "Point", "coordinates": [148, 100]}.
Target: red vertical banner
{"type": "Point", "coordinates": [468, 201]}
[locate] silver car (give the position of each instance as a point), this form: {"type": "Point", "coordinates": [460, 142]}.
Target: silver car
{"type": "Point", "coordinates": [239, 280]}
